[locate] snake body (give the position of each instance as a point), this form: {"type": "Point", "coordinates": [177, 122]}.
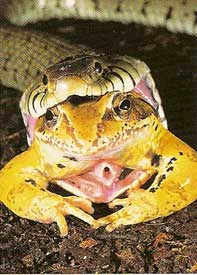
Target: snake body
{"type": "Point", "coordinates": [20, 69]}
{"type": "Point", "coordinates": [177, 15]}
{"type": "Point", "coordinates": [44, 50]}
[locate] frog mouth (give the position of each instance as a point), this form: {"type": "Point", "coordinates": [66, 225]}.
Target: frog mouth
{"type": "Point", "coordinates": [104, 181]}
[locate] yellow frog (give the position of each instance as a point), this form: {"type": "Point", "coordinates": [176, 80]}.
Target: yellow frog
{"type": "Point", "coordinates": [96, 128]}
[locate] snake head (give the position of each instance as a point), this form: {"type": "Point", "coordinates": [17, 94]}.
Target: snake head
{"type": "Point", "coordinates": [87, 76]}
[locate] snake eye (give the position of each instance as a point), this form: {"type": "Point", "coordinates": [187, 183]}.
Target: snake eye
{"type": "Point", "coordinates": [98, 68]}
{"type": "Point", "coordinates": [51, 119]}
{"type": "Point", "coordinates": [45, 79]}
{"type": "Point", "coordinates": [125, 105]}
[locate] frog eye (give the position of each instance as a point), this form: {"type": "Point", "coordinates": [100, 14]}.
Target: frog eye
{"type": "Point", "coordinates": [122, 105]}
{"type": "Point", "coordinates": [45, 79]}
{"type": "Point", "coordinates": [51, 118]}
{"type": "Point", "coordinates": [98, 67]}
{"type": "Point", "coordinates": [49, 115]}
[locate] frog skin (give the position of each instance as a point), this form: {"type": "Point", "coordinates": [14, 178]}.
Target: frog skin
{"type": "Point", "coordinates": [98, 147]}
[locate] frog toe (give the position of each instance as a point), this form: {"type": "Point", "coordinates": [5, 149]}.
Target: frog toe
{"type": "Point", "coordinates": [110, 221]}
{"type": "Point", "coordinates": [68, 208]}
{"type": "Point", "coordinates": [81, 203]}
{"type": "Point", "coordinates": [62, 224]}
{"type": "Point", "coordinates": [118, 202]}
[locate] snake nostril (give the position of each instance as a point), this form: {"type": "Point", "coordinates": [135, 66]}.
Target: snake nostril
{"type": "Point", "coordinates": [45, 79]}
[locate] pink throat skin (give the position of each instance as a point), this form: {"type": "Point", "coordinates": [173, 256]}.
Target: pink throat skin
{"type": "Point", "coordinates": [142, 89]}
{"type": "Point", "coordinates": [103, 182]}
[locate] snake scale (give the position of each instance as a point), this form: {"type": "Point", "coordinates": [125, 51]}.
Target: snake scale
{"type": "Point", "coordinates": [78, 107]}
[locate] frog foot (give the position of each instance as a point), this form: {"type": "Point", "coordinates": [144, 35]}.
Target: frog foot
{"type": "Point", "coordinates": [116, 219]}
{"type": "Point", "coordinates": [111, 221]}
{"type": "Point", "coordinates": [54, 208]}
{"type": "Point", "coordinates": [136, 208]}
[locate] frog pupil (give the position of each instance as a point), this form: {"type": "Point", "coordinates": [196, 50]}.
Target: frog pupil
{"type": "Point", "coordinates": [125, 105]}
{"type": "Point", "coordinates": [49, 115]}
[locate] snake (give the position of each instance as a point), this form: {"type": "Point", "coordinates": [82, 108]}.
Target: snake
{"type": "Point", "coordinates": [177, 16]}
{"type": "Point", "coordinates": [53, 73]}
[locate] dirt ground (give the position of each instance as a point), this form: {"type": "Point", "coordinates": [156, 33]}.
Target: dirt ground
{"type": "Point", "coordinates": [166, 245]}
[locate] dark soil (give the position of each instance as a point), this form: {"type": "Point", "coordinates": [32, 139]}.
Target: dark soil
{"type": "Point", "coordinates": [166, 245]}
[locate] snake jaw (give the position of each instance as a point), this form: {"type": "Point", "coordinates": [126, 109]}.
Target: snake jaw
{"type": "Point", "coordinates": [88, 75]}
{"type": "Point", "coordinates": [145, 88]}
